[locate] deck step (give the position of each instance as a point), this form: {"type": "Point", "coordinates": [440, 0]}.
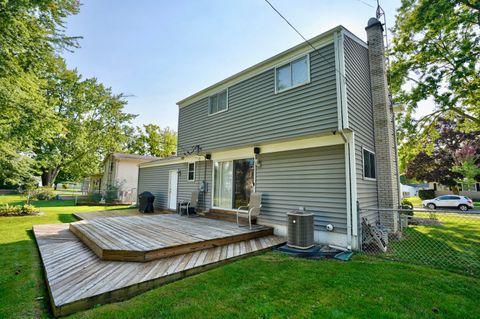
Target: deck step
{"type": "Point", "coordinates": [145, 238]}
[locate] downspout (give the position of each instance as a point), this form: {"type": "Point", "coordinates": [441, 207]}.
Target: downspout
{"type": "Point", "coordinates": [399, 188]}
{"type": "Point", "coordinates": [343, 126]}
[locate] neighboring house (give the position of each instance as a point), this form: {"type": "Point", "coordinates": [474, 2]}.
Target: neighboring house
{"type": "Point", "coordinates": [92, 184]}
{"type": "Point", "coordinates": [120, 174]}
{"type": "Point", "coordinates": [473, 191]}
{"type": "Point", "coordinates": [409, 190]}
{"type": "Point", "coordinates": [306, 128]}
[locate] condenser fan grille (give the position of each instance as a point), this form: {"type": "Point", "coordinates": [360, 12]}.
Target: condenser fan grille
{"type": "Point", "coordinates": [300, 230]}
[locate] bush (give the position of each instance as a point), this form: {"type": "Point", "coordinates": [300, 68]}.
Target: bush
{"type": "Point", "coordinates": [407, 206]}
{"type": "Point", "coordinates": [45, 194]}
{"type": "Point", "coordinates": [17, 210]}
{"type": "Point", "coordinates": [426, 194]}
{"type": "Point", "coordinates": [95, 197]}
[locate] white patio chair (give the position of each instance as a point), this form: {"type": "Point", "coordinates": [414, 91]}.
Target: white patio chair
{"type": "Point", "coordinates": [252, 210]}
{"type": "Point", "coordinates": [192, 203]}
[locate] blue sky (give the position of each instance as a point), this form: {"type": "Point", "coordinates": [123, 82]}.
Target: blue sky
{"type": "Point", "coordinates": [160, 52]}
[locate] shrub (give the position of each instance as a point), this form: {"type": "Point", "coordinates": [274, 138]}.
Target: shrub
{"type": "Point", "coordinates": [95, 197]}
{"type": "Point", "coordinates": [45, 194]}
{"type": "Point", "coordinates": [17, 210]}
{"type": "Point", "coordinates": [407, 206]}
{"type": "Point", "coordinates": [426, 194]}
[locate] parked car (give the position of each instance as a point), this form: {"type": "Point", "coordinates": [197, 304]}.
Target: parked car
{"type": "Point", "coordinates": [449, 201]}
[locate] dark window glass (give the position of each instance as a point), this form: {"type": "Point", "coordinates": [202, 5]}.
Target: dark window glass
{"type": "Point", "coordinates": [368, 164]}
{"type": "Point", "coordinates": [191, 171]}
{"type": "Point", "coordinates": [242, 181]}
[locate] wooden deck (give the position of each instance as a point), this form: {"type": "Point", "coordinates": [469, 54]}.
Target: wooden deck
{"type": "Point", "coordinates": [77, 279]}
{"type": "Point", "coordinates": [145, 238]}
{"type": "Point", "coordinates": [114, 213]}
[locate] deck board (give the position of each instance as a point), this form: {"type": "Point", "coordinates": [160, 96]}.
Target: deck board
{"type": "Point", "coordinates": [145, 238]}
{"type": "Point", "coordinates": [115, 213]}
{"type": "Point", "coordinates": [77, 279]}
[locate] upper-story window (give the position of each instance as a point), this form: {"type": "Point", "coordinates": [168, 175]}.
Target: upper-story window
{"type": "Point", "coordinates": [218, 102]}
{"type": "Point", "coordinates": [292, 74]}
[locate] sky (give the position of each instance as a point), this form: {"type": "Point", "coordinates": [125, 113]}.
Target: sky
{"type": "Point", "coordinates": [158, 52]}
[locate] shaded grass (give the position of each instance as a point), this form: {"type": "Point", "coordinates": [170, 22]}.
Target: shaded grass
{"type": "Point", "coordinates": [267, 286]}
{"type": "Point", "coordinates": [453, 245]}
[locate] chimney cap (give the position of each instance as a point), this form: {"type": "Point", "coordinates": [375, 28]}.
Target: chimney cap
{"type": "Point", "coordinates": [373, 22]}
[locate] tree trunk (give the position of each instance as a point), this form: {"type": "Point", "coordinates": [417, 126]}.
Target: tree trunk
{"type": "Point", "coordinates": [455, 190]}
{"type": "Point", "coordinates": [49, 175]}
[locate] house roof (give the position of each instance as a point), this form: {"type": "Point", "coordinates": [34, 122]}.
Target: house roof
{"type": "Point", "coordinates": [283, 57]}
{"type": "Point", "coordinates": [143, 158]}
{"type": "Point", "coordinates": [163, 159]}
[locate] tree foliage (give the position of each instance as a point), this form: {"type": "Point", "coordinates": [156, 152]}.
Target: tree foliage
{"type": "Point", "coordinates": [452, 159]}
{"type": "Point", "coordinates": [436, 55]}
{"type": "Point", "coordinates": [55, 123]}
{"type": "Point", "coordinates": [31, 33]}
{"type": "Point", "coordinates": [151, 139]}
{"type": "Point", "coordinates": [91, 119]}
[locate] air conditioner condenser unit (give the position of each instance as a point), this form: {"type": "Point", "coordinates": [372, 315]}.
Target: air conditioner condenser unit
{"type": "Point", "coordinates": [300, 229]}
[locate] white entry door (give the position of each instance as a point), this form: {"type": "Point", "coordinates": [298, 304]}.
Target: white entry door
{"type": "Point", "coordinates": [172, 189]}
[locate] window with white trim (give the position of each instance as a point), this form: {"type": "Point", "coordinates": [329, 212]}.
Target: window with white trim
{"type": "Point", "coordinates": [191, 172]}
{"type": "Point", "coordinates": [292, 74]}
{"type": "Point", "coordinates": [369, 165]}
{"type": "Point", "coordinates": [218, 102]}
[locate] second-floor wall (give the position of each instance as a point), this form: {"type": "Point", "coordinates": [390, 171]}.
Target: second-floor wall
{"type": "Point", "coordinates": [257, 114]}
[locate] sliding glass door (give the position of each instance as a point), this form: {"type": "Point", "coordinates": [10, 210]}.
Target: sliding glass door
{"type": "Point", "coordinates": [222, 181]}
{"type": "Point", "coordinates": [233, 182]}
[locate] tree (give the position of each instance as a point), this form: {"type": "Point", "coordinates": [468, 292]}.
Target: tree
{"type": "Point", "coordinates": [436, 56]}
{"type": "Point", "coordinates": [92, 121]}
{"type": "Point", "coordinates": [151, 140]}
{"type": "Point", "coordinates": [31, 34]}
{"type": "Point", "coordinates": [444, 162]}
{"type": "Point", "coordinates": [468, 164]}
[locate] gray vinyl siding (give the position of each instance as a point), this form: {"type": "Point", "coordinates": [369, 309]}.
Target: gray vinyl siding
{"type": "Point", "coordinates": [312, 178]}
{"type": "Point", "coordinates": [360, 116]}
{"type": "Point", "coordinates": [155, 180]}
{"type": "Point", "coordinates": [186, 187]}
{"type": "Point", "coordinates": [256, 114]}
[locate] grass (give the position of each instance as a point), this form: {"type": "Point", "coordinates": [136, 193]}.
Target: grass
{"type": "Point", "coordinates": [415, 200]}
{"type": "Point", "coordinates": [266, 286]}
{"type": "Point", "coordinates": [453, 244]}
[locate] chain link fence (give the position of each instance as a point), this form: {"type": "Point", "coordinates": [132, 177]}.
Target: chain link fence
{"type": "Point", "coordinates": [448, 240]}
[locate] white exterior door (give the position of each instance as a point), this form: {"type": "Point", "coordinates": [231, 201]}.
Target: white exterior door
{"type": "Point", "coordinates": [172, 189]}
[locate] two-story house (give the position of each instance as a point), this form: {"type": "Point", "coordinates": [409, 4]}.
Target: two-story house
{"type": "Point", "coordinates": [308, 128]}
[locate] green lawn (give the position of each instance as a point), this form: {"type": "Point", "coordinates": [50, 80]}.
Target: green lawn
{"type": "Point", "coordinates": [415, 200]}
{"type": "Point", "coordinates": [267, 286]}
{"type": "Point", "coordinates": [453, 244]}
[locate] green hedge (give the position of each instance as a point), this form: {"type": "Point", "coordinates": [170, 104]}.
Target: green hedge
{"type": "Point", "coordinates": [407, 206]}
{"type": "Point", "coordinates": [426, 194]}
